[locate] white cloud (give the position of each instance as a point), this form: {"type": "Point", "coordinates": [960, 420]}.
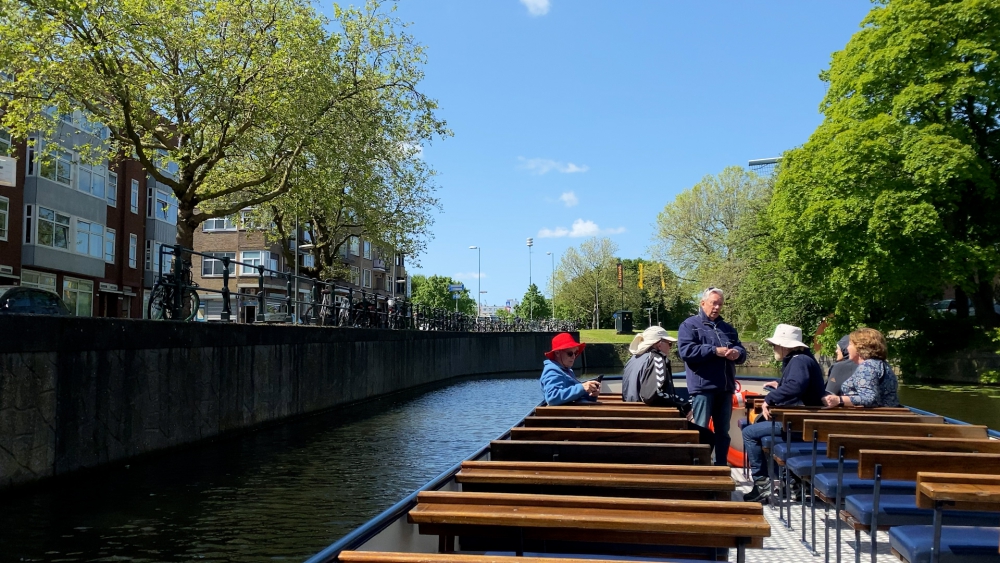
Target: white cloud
{"type": "Point", "coordinates": [536, 7]}
{"type": "Point", "coordinates": [469, 275]}
{"type": "Point", "coordinates": [569, 198]}
{"type": "Point", "coordinates": [546, 165]}
{"type": "Point", "coordinates": [580, 229]}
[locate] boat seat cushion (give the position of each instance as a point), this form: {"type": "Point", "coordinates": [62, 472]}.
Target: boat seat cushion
{"type": "Point", "coordinates": [801, 465]}
{"type": "Point", "coordinates": [826, 485]}
{"type": "Point", "coordinates": [901, 510]}
{"type": "Point", "coordinates": [963, 544]}
{"type": "Point", "coordinates": [785, 451]}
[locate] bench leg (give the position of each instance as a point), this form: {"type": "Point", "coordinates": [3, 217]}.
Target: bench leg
{"type": "Point", "coordinates": [840, 492]}
{"type": "Point", "coordinates": [826, 532]}
{"type": "Point", "coordinates": [875, 503]}
{"type": "Point", "coordinates": [446, 544]}
{"type": "Point", "coordinates": [812, 492]}
{"type": "Point", "coordinates": [936, 546]}
{"type": "Point", "coordinates": [857, 546]}
{"type": "Point", "coordinates": [741, 554]}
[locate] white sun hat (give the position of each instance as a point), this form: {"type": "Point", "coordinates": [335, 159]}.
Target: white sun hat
{"type": "Point", "coordinates": [647, 339]}
{"type": "Point", "coordinates": [787, 336]}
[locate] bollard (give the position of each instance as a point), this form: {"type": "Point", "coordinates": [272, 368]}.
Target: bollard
{"type": "Point", "coordinates": [227, 311]}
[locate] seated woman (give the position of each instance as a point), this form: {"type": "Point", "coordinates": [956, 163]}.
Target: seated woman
{"type": "Point", "coordinates": [559, 384]}
{"type": "Point", "coordinates": [647, 376]}
{"type": "Point", "coordinates": [873, 384]}
{"type": "Point", "coordinates": [801, 383]}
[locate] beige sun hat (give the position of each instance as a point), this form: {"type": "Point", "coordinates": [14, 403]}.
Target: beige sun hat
{"type": "Point", "coordinates": [647, 339]}
{"type": "Point", "coordinates": [787, 336]}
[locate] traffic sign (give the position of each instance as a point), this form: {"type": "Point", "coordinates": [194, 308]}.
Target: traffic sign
{"type": "Point", "coordinates": [457, 287]}
{"type": "Point", "coordinates": [454, 296]}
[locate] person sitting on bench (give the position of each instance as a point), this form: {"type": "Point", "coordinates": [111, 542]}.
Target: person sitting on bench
{"type": "Point", "coordinates": [873, 384]}
{"type": "Point", "coordinates": [648, 378]}
{"type": "Point", "coordinates": [801, 383]}
{"type": "Point", "coordinates": [559, 384]}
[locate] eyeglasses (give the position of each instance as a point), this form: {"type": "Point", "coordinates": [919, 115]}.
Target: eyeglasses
{"type": "Point", "coordinates": [571, 352]}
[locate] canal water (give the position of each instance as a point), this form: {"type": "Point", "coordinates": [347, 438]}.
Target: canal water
{"type": "Point", "coordinates": [284, 493]}
{"type": "Point", "coordinates": [280, 494]}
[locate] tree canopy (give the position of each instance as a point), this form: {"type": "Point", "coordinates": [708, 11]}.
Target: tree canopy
{"type": "Point", "coordinates": [534, 305]}
{"type": "Point", "coordinates": [433, 292]}
{"type": "Point", "coordinates": [244, 99]}
{"type": "Point", "coordinates": [894, 196]}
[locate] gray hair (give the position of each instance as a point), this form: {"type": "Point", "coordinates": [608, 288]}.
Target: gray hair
{"type": "Point", "coordinates": [708, 293]}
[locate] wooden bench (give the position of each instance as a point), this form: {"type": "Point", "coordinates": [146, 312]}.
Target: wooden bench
{"type": "Point", "coordinates": [598, 479]}
{"type": "Point", "coordinates": [854, 444]}
{"type": "Point", "coordinates": [639, 435]}
{"type": "Point", "coordinates": [603, 410]}
{"type": "Point", "coordinates": [400, 557]}
{"type": "Point", "coordinates": [860, 428]}
{"type": "Point", "coordinates": [601, 452]}
{"type": "Point", "coordinates": [605, 422]}
{"type": "Point", "coordinates": [521, 522]}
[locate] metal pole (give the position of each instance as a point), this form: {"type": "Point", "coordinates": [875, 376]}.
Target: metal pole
{"type": "Point", "coordinates": [479, 278]}
{"type": "Point", "coordinates": [295, 314]}
{"type": "Point", "coordinates": [531, 313]}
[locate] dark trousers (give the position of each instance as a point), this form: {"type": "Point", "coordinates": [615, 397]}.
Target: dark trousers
{"type": "Point", "coordinates": [717, 405]}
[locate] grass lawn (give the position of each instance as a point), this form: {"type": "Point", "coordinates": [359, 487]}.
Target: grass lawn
{"type": "Point", "coordinates": [604, 336]}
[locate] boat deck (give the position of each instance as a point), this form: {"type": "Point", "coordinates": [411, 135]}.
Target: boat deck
{"type": "Point", "coordinates": [785, 545]}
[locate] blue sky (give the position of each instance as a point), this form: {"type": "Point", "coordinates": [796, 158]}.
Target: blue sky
{"type": "Point", "coordinates": [579, 117]}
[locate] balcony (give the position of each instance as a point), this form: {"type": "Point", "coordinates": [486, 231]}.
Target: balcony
{"type": "Point", "coordinates": [378, 265]}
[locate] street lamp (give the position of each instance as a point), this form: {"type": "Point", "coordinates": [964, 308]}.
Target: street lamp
{"type": "Point", "coordinates": [531, 315]}
{"type": "Point", "coordinates": [552, 282]}
{"type": "Point", "coordinates": [479, 276]}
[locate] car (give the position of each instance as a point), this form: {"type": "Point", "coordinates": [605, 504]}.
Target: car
{"type": "Point", "coordinates": [19, 300]}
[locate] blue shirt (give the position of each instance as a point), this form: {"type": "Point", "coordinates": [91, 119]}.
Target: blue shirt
{"type": "Point", "coordinates": [559, 385]}
{"type": "Point", "coordinates": [872, 385]}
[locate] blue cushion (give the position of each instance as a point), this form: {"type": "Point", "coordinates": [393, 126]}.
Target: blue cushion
{"type": "Point", "coordinates": [901, 510]}
{"type": "Point", "coordinates": [826, 485]}
{"type": "Point", "coordinates": [785, 451]}
{"type": "Point", "coordinates": [765, 442]}
{"type": "Point", "coordinates": [958, 543]}
{"type": "Point", "coordinates": [802, 464]}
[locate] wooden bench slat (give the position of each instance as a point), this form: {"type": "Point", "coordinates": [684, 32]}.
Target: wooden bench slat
{"type": "Point", "coordinates": [605, 422]}
{"type": "Point", "coordinates": [960, 491]}
{"type": "Point", "coordinates": [861, 428]}
{"type": "Point", "coordinates": [604, 411]}
{"type": "Point", "coordinates": [623, 480]}
{"type": "Point", "coordinates": [854, 444]}
{"type": "Point", "coordinates": [796, 418]}
{"type": "Point", "coordinates": [635, 469]}
{"type": "Point", "coordinates": [399, 557]}
{"type": "Point", "coordinates": [601, 452]}
{"type": "Point", "coordinates": [905, 465]}
{"type": "Point", "coordinates": [589, 502]}
{"type": "Point", "coordinates": [606, 435]}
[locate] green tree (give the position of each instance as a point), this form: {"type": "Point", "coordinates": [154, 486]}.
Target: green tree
{"type": "Point", "coordinates": [585, 281]}
{"type": "Point", "coordinates": [534, 305]}
{"type": "Point", "coordinates": [894, 196]}
{"type": "Point", "coordinates": [433, 292]}
{"type": "Point", "coordinates": [224, 103]}
{"type": "Point", "coordinates": [706, 231]}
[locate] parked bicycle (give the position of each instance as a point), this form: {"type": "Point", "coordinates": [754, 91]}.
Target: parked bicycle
{"type": "Point", "coordinates": [162, 299]}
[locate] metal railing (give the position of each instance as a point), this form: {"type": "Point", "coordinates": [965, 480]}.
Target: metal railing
{"type": "Point", "coordinates": [327, 304]}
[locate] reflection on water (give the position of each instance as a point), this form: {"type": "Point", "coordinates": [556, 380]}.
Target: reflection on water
{"type": "Point", "coordinates": [972, 403]}
{"type": "Point", "coordinates": [278, 494]}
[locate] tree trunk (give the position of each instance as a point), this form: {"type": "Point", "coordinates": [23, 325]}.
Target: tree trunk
{"type": "Point", "coordinates": [983, 300]}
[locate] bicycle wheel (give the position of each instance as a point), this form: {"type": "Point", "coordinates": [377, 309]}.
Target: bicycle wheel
{"type": "Point", "coordinates": [156, 307]}
{"type": "Point", "coordinates": [192, 302]}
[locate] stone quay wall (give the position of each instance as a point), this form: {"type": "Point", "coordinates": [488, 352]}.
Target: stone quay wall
{"type": "Point", "coordinates": [81, 392]}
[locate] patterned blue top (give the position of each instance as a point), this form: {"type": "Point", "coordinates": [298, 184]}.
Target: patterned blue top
{"type": "Point", "coordinates": [872, 385]}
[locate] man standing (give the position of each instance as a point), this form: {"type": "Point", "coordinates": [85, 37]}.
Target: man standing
{"type": "Point", "coordinates": [711, 349]}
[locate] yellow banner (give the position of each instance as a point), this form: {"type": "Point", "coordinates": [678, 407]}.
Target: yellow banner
{"type": "Point", "coordinates": [640, 275]}
{"type": "Point", "coordinates": [663, 284]}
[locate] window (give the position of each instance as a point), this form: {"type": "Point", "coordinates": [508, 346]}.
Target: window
{"type": "Point", "coordinates": [133, 244]}
{"type": "Point", "coordinates": [388, 283]}
{"type": "Point", "coordinates": [109, 246]}
{"type": "Point", "coordinates": [4, 212]}
{"type": "Point", "coordinates": [91, 179]}
{"type": "Point", "coordinates": [368, 250]}
{"type": "Point", "coordinates": [153, 257]}
{"type": "Point", "coordinates": [259, 258]}
{"type": "Point", "coordinates": [53, 228]}
{"type": "Point", "coordinates": [219, 224]}
{"type": "Point", "coordinates": [213, 266]}
{"type": "Point", "coordinates": [40, 280]}
{"type": "Point", "coordinates": [355, 246]}
{"type": "Point", "coordinates": [399, 259]}
{"type": "Point", "coordinates": [355, 275]}
{"type": "Point", "coordinates": [308, 261]}
{"type": "Point", "coordinates": [58, 167]}
{"type": "Point", "coordinates": [6, 146]}
{"type": "Point", "coordinates": [79, 296]}
{"type": "Point", "coordinates": [134, 198]}
{"type": "Point", "coordinates": [112, 189]}
{"type": "Point", "coordinates": [89, 238]}
{"type": "Point", "coordinates": [165, 208]}
{"type": "Point", "coordinates": [366, 278]}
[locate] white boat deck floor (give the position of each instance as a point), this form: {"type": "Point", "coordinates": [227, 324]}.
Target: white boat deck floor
{"type": "Point", "coordinates": [785, 545]}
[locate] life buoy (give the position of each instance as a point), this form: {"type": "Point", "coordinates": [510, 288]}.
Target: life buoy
{"type": "Point", "coordinates": [739, 397]}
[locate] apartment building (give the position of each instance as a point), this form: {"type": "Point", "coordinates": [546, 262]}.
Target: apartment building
{"type": "Point", "coordinates": [370, 269]}
{"type": "Point", "coordinates": [70, 226]}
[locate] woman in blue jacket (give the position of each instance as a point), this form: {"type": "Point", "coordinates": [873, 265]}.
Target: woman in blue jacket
{"type": "Point", "coordinates": [559, 384]}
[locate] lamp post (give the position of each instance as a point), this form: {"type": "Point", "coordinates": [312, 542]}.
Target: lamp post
{"type": "Point", "coordinates": [531, 315]}
{"type": "Point", "coordinates": [552, 282]}
{"type": "Point", "coordinates": [479, 276]}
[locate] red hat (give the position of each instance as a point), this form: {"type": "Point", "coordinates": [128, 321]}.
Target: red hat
{"type": "Point", "coordinates": [563, 341]}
